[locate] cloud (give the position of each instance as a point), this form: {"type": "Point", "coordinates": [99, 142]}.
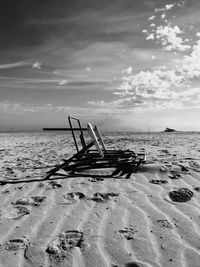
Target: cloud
{"type": "Point", "coordinates": [181, 3]}
{"type": "Point", "coordinates": [128, 70]}
{"type": "Point", "coordinates": [152, 79]}
{"type": "Point", "coordinates": [159, 10]}
{"type": "Point", "coordinates": [37, 65]}
{"type": "Point", "coordinates": [63, 82]}
{"type": "Point", "coordinates": [166, 8]}
{"type": "Point", "coordinates": [150, 100]}
{"type": "Point", "coordinates": [161, 87]}
{"type": "Point", "coordinates": [170, 38]}
{"type": "Point", "coordinates": [77, 83]}
{"type": "Point", "coordinates": [127, 103]}
{"type": "Point", "coordinates": [150, 37]}
{"type": "Point", "coordinates": [163, 16]}
{"type": "Point", "coordinates": [156, 86]}
{"type": "Point", "coordinates": [144, 31]}
{"type": "Point", "coordinates": [10, 107]}
{"type": "Point", "coordinates": [190, 64]}
{"type": "Point", "coordinates": [88, 69]}
{"type": "Point", "coordinates": [18, 81]}
{"type": "Point", "coordinates": [151, 18]}
{"type": "Point", "coordinates": [180, 75]}
{"type": "Point", "coordinates": [14, 65]}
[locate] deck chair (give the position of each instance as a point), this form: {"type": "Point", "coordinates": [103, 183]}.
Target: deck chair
{"type": "Point", "coordinates": [96, 136]}
{"type": "Point", "coordinates": [94, 155]}
{"type": "Point", "coordinates": [127, 158]}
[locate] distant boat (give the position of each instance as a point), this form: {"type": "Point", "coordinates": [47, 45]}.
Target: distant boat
{"type": "Point", "coordinates": [169, 130]}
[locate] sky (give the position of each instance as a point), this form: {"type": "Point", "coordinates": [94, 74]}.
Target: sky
{"type": "Point", "coordinates": [126, 65]}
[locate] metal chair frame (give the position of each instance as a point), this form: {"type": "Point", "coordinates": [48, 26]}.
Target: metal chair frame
{"type": "Point", "coordinates": [124, 161]}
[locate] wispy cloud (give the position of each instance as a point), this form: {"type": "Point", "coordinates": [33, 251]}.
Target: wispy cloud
{"type": "Point", "coordinates": [14, 65]}
{"type": "Point", "coordinates": [11, 107]}
{"type": "Point", "coordinates": [51, 84]}
{"type": "Point", "coordinates": [165, 83]}
{"type": "Point", "coordinates": [162, 87]}
{"type": "Point", "coordinates": [154, 101]}
{"type": "Point", "coordinates": [129, 70]}
{"type": "Point", "coordinates": [63, 82]}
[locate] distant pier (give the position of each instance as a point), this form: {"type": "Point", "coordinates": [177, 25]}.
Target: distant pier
{"type": "Point", "coordinates": [63, 129]}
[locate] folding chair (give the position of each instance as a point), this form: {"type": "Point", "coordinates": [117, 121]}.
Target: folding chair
{"type": "Point", "coordinates": [124, 161]}
{"type": "Point", "coordinates": [97, 138]}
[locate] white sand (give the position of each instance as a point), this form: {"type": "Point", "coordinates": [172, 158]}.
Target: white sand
{"type": "Point", "coordinates": [141, 226]}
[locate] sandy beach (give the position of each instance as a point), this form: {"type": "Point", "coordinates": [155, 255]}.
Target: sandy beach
{"type": "Point", "coordinates": [149, 220]}
{"type": "Point", "coordinates": [126, 69]}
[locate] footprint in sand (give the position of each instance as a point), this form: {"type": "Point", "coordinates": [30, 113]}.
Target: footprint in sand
{"type": "Point", "coordinates": [181, 195]}
{"type": "Point", "coordinates": [175, 176]}
{"type": "Point", "coordinates": [158, 181]}
{"type": "Point", "coordinates": [184, 168]}
{"type": "Point", "coordinates": [128, 233]}
{"type": "Point", "coordinates": [135, 264]}
{"type": "Point", "coordinates": [164, 169]}
{"type": "Point", "coordinates": [17, 243]}
{"type": "Point", "coordinates": [176, 171]}
{"type": "Point", "coordinates": [61, 247]}
{"type": "Point", "coordinates": [197, 188]}
{"type": "Point", "coordinates": [74, 196]}
{"type": "Point", "coordinates": [131, 264]}
{"type": "Point", "coordinates": [16, 212]}
{"type": "Point", "coordinates": [6, 191]}
{"type": "Point", "coordinates": [95, 179]}
{"type": "Point", "coordinates": [103, 197]}
{"type": "Point", "coordinates": [53, 185]}
{"type": "Point", "coordinates": [32, 201]}
{"type": "Point", "coordinates": [165, 224]}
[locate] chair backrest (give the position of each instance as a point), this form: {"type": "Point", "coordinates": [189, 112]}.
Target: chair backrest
{"type": "Point", "coordinates": [79, 129]}
{"type": "Point", "coordinates": [100, 139]}
{"type": "Point", "coordinates": [94, 134]}
{"type": "Point", "coordinates": [94, 139]}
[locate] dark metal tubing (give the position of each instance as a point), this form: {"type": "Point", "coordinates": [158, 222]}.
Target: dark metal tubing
{"type": "Point", "coordinates": [63, 129]}
{"type": "Point", "coordinates": [80, 128]}
{"type": "Point", "coordinates": [77, 155]}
